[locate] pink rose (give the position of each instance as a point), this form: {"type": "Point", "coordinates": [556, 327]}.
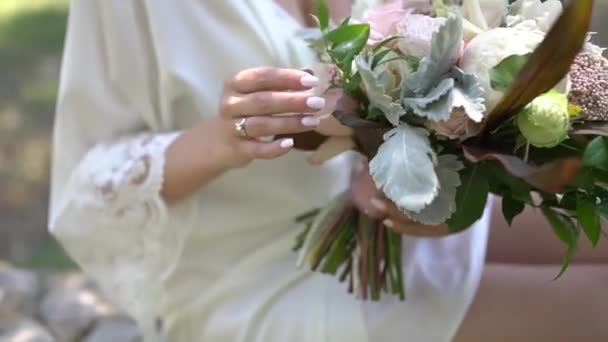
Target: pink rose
{"type": "Point", "coordinates": [417, 32]}
{"type": "Point", "coordinates": [383, 20]}
{"type": "Point", "coordinates": [459, 126]}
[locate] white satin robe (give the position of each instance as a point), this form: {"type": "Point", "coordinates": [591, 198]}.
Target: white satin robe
{"type": "Point", "coordinates": [219, 266]}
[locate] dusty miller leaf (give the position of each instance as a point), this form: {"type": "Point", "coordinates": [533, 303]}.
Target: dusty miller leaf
{"type": "Point", "coordinates": [377, 92]}
{"type": "Point", "coordinates": [436, 105]}
{"type": "Point", "coordinates": [444, 204]}
{"type": "Point", "coordinates": [445, 44]}
{"type": "Point", "coordinates": [468, 94]}
{"type": "Point", "coordinates": [404, 168]}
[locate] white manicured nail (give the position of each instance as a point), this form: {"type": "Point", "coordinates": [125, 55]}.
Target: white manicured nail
{"type": "Point", "coordinates": [309, 81]}
{"type": "Point", "coordinates": [287, 143]}
{"type": "Point", "coordinates": [315, 102]}
{"type": "Point", "coordinates": [310, 121]}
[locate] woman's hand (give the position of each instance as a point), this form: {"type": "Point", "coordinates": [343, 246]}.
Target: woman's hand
{"type": "Point", "coordinates": [253, 98]}
{"type": "Point", "coordinates": [373, 203]}
{"type": "Point", "coordinates": [248, 111]}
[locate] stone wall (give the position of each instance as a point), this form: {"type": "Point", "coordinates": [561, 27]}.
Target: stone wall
{"type": "Point", "coordinates": [40, 307]}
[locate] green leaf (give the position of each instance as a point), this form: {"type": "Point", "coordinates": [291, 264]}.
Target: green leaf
{"type": "Point", "coordinates": [569, 201]}
{"type": "Point", "coordinates": [346, 21]}
{"type": "Point", "coordinates": [379, 56]}
{"type": "Point", "coordinates": [518, 189]}
{"type": "Point", "coordinates": [471, 198]}
{"type": "Point", "coordinates": [346, 42]}
{"type": "Point", "coordinates": [589, 219]}
{"type": "Point", "coordinates": [444, 205]}
{"type": "Point", "coordinates": [503, 74]}
{"type": "Point", "coordinates": [322, 14]}
{"type": "Point", "coordinates": [383, 43]}
{"type": "Point", "coordinates": [511, 208]}
{"type": "Point", "coordinates": [434, 67]}
{"type": "Point", "coordinates": [404, 170]}
{"type": "Point", "coordinates": [567, 233]}
{"type": "Point", "coordinates": [596, 154]}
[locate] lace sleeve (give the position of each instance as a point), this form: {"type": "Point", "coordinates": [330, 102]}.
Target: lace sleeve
{"type": "Point", "coordinates": [112, 220]}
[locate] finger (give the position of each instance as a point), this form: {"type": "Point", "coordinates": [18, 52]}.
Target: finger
{"type": "Point", "coordinates": [390, 211]}
{"type": "Point", "coordinates": [400, 223]}
{"type": "Point", "coordinates": [269, 102]}
{"type": "Point", "coordinates": [330, 149]}
{"type": "Point", "coordinates": [268, 78]}
{"type": "Point", "coordinates": [263, 126]}
{"type": "Point", "coordinates": [330, 126]}
{"type": "Point", "coordinates": [254, 149]}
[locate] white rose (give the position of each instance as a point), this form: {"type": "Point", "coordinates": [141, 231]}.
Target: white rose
{"type": "Point", "coordinates": [486, 14]}
{"type": "Point", "coordinates": [489, 48]}
{"type": "Point", "coordinates": [544, 14]}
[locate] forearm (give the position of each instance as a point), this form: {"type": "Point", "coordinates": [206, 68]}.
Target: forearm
{"type": "Point", "coordinates": [192, 161]}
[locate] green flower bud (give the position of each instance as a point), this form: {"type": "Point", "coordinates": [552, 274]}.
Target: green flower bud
{"type": "Point", "coordinates": [545, 121]}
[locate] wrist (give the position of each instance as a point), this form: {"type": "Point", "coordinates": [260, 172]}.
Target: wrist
{"type": "Point", "coordinates": [210, 153]}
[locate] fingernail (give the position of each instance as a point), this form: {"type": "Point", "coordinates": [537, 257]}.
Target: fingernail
{"type": "Point", "coordinates": [378, 204]}
{"type": "Point", "coordinates": [311, 121]}
{"type": "Point", "coordinates": [308, 71]}
{"type": "Point", "coordinates": [389, 223]}
{"type": "Point", "coordinates": [315, 102]}
{"type": "Point", "coordinates": [309, 81]}
{"type": "Point", "coordinates": [286, 143]}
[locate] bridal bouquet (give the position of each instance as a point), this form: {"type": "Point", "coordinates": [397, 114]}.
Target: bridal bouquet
{"type": "Point", "coordinates": [451, 102]}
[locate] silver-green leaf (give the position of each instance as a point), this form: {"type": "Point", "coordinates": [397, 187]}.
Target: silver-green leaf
{"type": "Point", "coordinates": [444, 204]}
{"type": "Point", "coordinates": [436, 105]}
{"type": "Point", "coordinates": [446, 44]}
{"type": "Point", "coordinates": [375, 89]}
{"type": "Point", "coordinates": [404, 168]}
{"type": "Point", "coordinates": [468, 94]}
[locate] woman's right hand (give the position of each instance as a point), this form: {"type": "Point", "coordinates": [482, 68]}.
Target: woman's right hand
{"type": "Point", "coordinates": [254, 97]}
{"type": "Point", "coordinates": [215, 145]}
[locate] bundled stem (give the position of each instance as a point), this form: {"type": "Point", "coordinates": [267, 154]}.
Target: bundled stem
{"type": "Point", "coordinates": [344, 241]}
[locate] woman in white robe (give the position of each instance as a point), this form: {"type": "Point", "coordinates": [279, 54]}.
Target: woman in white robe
{"type": "Point", "coordinates": [214, 262]}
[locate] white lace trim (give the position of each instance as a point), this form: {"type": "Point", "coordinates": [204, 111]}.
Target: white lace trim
{"type": "Point", "coordinates": [112, 220]}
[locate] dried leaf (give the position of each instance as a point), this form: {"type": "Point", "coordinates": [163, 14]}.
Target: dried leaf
{"type": "Point", "coordinates": [551, 177]}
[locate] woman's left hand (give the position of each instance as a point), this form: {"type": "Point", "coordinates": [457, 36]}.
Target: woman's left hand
{"type": "Point", "coordinates": [373, 203]}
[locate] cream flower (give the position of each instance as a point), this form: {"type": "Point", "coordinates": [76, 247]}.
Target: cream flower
{"type": "Point", "coordinates": [544, 14]}
{"type": "Point", "coordinates": [458, 126]}
{"type": "Point", "coordinates": [489, 48]}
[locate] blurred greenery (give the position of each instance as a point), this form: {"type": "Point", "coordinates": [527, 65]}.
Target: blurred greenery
{"type": "Point", "coordinates": [31, 42]}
